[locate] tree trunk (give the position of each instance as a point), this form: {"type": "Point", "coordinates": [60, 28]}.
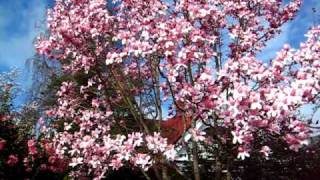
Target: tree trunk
{"type": "Point", "coordinates": [164, 170]}
{"type": "Point", "coordinates": [156, 172]}
{"type": "Point", "coordinates": [218, 168]}
{"type": "Point", "coordinates": [195, 159]}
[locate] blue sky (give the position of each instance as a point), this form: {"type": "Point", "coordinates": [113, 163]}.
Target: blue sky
{"type": "Point", "coordinates": [22, 20]}
{"type": "Point", "coordinates": [293, 32]}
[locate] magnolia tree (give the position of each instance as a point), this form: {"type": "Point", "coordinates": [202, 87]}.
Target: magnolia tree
{"type": "Point", "coordinates": [198, 59]}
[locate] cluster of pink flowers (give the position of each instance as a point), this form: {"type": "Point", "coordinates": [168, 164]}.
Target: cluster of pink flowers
{"type": "Point", "coordinates": [32, 147]}
{"type": "Point", "coordinates": [270, 99]}
{"type": "Point", "coordinates": [181, 42]}
{"type": "Point", "coordinates": [113, 153]}
{"type": "Point", "coordinates": [12, 160]}
{"type": "Point", "coordinates": [41, 152]}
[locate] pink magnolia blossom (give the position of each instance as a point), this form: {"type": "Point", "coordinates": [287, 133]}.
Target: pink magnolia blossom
{"type": "Point", "coordinates": [156, 143]}
{"type": "Point", "coordinates": [266, 151]}
{"type": "Point", "coordinates": [243, 153]}
{"type": "Point", "coordinates": [198, 135]}
{"type": "Point", "coordinates": [76, 161]}
{"type": "Point", "coordinates": [143, 160]}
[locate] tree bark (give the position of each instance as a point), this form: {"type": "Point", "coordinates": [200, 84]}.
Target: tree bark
{"type": "Point", "coordinates": [165, 172]}
{"type": "Point", "coordinates": [218, 168]}
{"type": "Point", "coordinates": [195, 162]}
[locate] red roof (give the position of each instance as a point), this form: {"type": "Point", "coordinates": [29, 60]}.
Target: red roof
{"type": "Point", "coordinates": [173, 128]}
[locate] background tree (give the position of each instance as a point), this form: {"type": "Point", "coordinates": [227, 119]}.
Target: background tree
{"type": "Point", "coordinates": [20, 155]}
